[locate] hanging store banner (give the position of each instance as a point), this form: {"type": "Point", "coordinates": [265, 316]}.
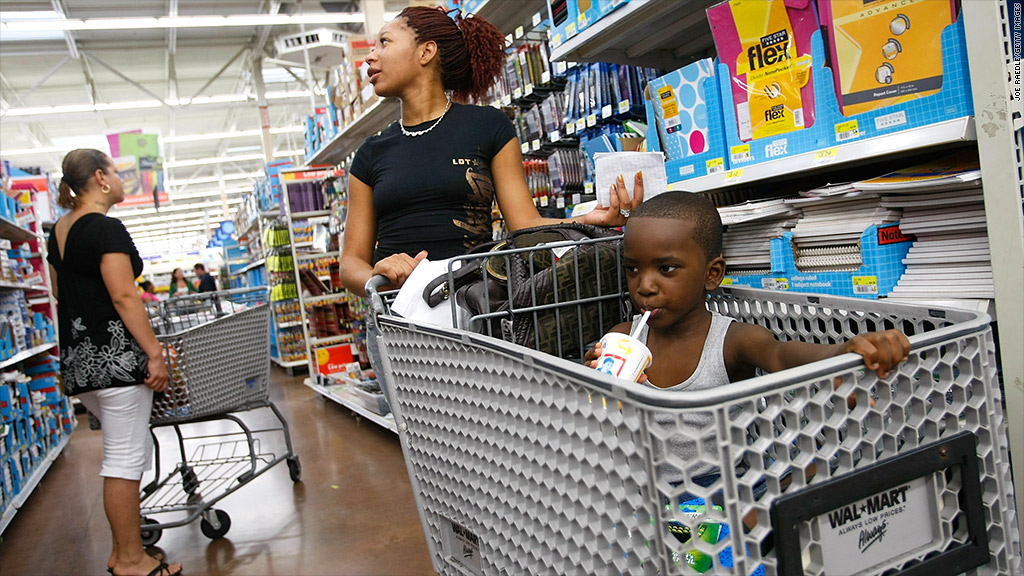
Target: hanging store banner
{"type": "Point", "coordinates": [138, 160]}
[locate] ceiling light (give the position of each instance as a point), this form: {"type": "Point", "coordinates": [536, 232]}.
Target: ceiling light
{"type": "Point", "coordinates": [289, 153]}
{"type": "Point", "coordinates": [210, 194]}
{"type": "Point", "coordinates": [227, 135]}
{"type": "Point", "coordinates": [209, 161]}
{"type": "Point", "coordinates": [31, 151]}
{"type": "Point", "coordinates": [286, 94]}
{"type": "Point", "coordinates": [212, 179]}
{"type": "Point", "coordinates": [135, 23]}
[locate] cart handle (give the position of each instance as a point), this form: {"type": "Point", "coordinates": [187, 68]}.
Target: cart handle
{"type": "Point", "coordinates": [373, 286]}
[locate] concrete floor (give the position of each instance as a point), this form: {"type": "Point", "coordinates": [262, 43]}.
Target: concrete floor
{"type": "Point", "coordinates": [352, 513]}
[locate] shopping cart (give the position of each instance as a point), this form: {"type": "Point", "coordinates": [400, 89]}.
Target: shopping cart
{"type": "Point", "coordinates": [217, 347]}
{"type": "Point", "coordinates": [527, 463]}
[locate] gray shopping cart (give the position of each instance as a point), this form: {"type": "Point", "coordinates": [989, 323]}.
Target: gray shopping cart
{"type": "Point", "coordinates": [524, 462]}
{"type": "Point", "coordinates": [217, 347]}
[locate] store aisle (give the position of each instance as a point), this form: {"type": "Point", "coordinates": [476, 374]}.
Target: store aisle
{"type": "Point", "coordinates": [353, 513]}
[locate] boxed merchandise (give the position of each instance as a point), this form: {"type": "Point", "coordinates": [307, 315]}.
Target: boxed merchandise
{"type": "Point", "coordinates": [766, 47]}
{"type": "Point", "coordinates": [882, 250]}
{"type": "Point", "coordinates": [685, 122]}
{"type": "Point", "coordinates": [884, 53]}
{"type": "Point", "coordinates": [564, 16]}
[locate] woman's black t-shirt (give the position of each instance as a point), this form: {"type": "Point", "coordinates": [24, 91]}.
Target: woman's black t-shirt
{"type": "Point", "coordinates": [96, 350]}
{"type": "Point", "coordinates": [434, 192]}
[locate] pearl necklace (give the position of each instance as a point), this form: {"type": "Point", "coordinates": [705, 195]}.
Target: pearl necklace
{"type": "Point", "coordinates": [432, 126]}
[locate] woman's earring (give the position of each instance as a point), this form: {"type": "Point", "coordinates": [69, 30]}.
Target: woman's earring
{"type": "Point", "coordinates": [105, 188]}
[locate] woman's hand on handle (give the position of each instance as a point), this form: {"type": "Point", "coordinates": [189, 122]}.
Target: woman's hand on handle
{"type": "Point", "coordinates": [620, 204]}
{"type": "Point", "coordinates": [398, 267]}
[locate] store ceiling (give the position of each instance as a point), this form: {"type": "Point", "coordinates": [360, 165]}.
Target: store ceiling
{"type": "Point", "coordinates": [140, 80]}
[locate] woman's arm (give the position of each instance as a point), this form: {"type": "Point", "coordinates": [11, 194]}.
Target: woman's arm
{"type": "Point", "coordinates": [53, 280]}
{"type": "Point", "coordinates": [517, 206]}
{"type": "Point", "coordinates": [116, 269]}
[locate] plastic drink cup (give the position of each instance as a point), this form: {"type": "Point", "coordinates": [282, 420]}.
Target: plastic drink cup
{"type": "Point", "coordinates": [623, 356]}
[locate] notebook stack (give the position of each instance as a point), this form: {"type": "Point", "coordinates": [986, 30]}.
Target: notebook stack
{"type": "Point", "coordinates": [749, 228]}
{"type": "Point", "coordinates": [827, 238]}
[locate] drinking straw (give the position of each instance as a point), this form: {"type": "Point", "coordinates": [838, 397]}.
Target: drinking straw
{"type": "Point", "coordinates": [640, 325]}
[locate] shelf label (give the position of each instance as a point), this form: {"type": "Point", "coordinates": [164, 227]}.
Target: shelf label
{"type": "Point", "coordinates": [560, 67]}
{"type": "Point", "coordinates": [560, 202]}
{"type": "Point", "coordinates": [775, 283]}
{"type": "Point", "coordinates": [536, 20]}
{"type": "Point", "coordinates": [543, 201]}
{"type": "Point", "coordinates": [570, 30]}
{"type": "Point", "coordinates": [519, 32]}
{"type": "Point", "coordinates": [517, 93]}
{"type": "Point", "coordinates": [554, 136]}
{"type": "Point", "coordinates": [508, 40]}
{"type": "Point", "coordinates": [581, 21]}
{"type": "Point", "coordinates": [715, 166]}
{"type": "Point", "coordinates": [606, 111]}
{"type": "Point", "coordinates": [525, 147]}
{"type": "Point", "coordinates": [528, 90]}
{"type": "Point", "coordinates": [506, 100]}
{"type": "Point", "coordinates": [576, 198]}
{"type": "Point", "coordinates": [591, 120]}
{"type": "Point", "coordinates": [733, 176]}
{"type": "Point", "coordinates": [826, 156]}
{"type": "Point", "coordinates": [588, 188]}
{"type": "Point", "coordinates": [581, 124]}
{"type": "Point", "coordinates": [865, 285]}
{"type": "Point", "coordinates": [623, 106]}
{"type": "Point", "coordinates": [847, 131]}
{"type": "Point", "coordinates": [556, 40]}
{"type": "Point", "coordinates": [535, 145]}
{"type": "Point", "coordinates": [740, 154]}
{"type": "Point", "coordinates": [570, 128]}
{"type": "Point", "coordinates": [545, 77]}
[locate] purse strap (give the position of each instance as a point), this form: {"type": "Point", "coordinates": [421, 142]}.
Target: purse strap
{"type": "Point", "coordinates": [438, 290]}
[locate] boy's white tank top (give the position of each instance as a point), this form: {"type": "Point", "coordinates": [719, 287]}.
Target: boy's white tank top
{"type": "Point", "coordinates": [693, 425]}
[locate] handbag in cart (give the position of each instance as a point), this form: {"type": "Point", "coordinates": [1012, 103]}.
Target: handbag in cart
{"type": "Point", "coordinates": [555, 300]}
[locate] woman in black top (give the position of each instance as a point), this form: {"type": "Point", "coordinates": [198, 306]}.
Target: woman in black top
{"type": "Point", "coordinates": [426, 184]}
{"type": "Point", "coordinates": [109, 355]}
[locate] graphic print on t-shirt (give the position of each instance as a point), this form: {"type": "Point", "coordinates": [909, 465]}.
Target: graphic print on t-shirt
{"type": "Point", "coordinates": [478, 218]}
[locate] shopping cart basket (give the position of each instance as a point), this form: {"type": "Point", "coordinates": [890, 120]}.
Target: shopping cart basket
{"type": "Point", "coordinates": [217, 347]}
{"type": "Point", "coordinates": [526, 463]}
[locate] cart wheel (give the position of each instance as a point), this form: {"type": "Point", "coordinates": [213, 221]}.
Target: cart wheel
{"type": "Point", "coordinates": [150, 536]}
{"type": "Point", "coordinates": [213, 533]}
{"type": "Point", "coordinates": [294, 468]}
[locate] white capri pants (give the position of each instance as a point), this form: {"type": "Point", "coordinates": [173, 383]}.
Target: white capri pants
{"type": "Point", "coordinates": [123, 413]}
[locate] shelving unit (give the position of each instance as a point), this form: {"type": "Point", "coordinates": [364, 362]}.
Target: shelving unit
{"type": "Point", "coordinates": [341, 395]}
{"type": "Point", "coordinates": [374, 119]}
{"type": "Point", "coordinates": [37, 475]}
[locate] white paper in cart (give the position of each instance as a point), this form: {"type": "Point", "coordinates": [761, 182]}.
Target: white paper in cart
{"type": "Point", "coordinates": [609, 165]}
{"type": "Point", "coordinates": [410, 303]}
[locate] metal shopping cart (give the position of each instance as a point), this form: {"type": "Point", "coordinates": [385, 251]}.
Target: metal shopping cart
{"type": "Point", "coordinates": [526, 463]}
{"type": "Point", "coordinates": [217, 347]}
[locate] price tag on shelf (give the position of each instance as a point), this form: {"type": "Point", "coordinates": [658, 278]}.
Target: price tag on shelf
{"type": "Point", "coordinates": [536, 20]}
{"type": "Point", "coordinates": [560, 202]}
{"type": "Point", "coordinates": [543, 201]}
{"type": "Point", "coordinates": [536, 201]}
{"type": "Point", "coordinates": [528, 90]}
{"type": "Point", "coordinates": [556, 40]}
{"type": "Point", "coordinates": [545, 77]}
{"type": "Point", "coordinates": [606, 111]}
{"type": "Point", "coordinates": [570, 128]}
{"type": "Point", "coordinates": [506, 100]}
{"type": "Point", "coordinates": [525, 147]}
{"type": "Point", "coordinates": [716, 166]}
{"type": "Point", "coordinates": [581, 21]}
{"type": "Point", "coordinates": [847, 131]}
{"type": "Point", "coordinates": [570, 30]}
{"type": "Point", "coordinates": [508, 40]}
{"type": "Point", "coordinates": [519, 32]}
{"type": "Point", "coordinates": [581, 124]}
{"type": "Point", "coordinates": [826, 156]}
{"type": "Point", "coordinates": [554, 136]}
{"type": "Point", "coordinates": [591, 120]}
{"type": "Point", "coordinates": [588, 188]}
{"type": "Point", "coordinates": [576, 198]}
{"type": "Point", "coordinates": [517, 93]}
{"type": "Point", "coordinates": [623, 106]}
{"type": "Point", "coordinates": [535, 145]}
{"type": "Point", "coordinates": [561, 67]}
{"type": "Point", "coordinates": [733, 176]}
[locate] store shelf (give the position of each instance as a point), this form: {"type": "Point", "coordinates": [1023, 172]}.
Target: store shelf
{"type": "Point", "coordinates": [313, 214]}
{"type": "Point", "coordinates": [12, 231]}
{"type": "Point", "coordinates": [318, 255]}
{"type": "Point", "coordinates": [332, 340]}
{"type": "Point", "coordinates": [506, 15]}
{"type": "Point", "coordinates": [653, 33]}
{"type": "Point", "coordinates": [286, 325]}
{"type": "Point", "coordinates": [35, 478]}
{"type": "Point", "coordinates": [303, 244]}
{"type": "Point", "coordinates": [25, 354]}
{"type": "Point", "coordinates": [292, 364]}
{"type": "Point", "coordinates": [252, 265]}
{"type": "Point", "coordinates": [948, 132]}
{"type": "Point", "coordinates": [339, 395]}
{"type": "Point", "coordinates": [254, 223]}
{"type": "Point", "coordinates": [323, 298]}
{"type": "Point", "coordinates": [23, 286]}
{"type": "Point", "coordinates": [374, 119]}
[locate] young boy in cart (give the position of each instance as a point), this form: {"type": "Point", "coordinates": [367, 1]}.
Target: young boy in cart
{"type": "Point", "coordinates": [672, 252]}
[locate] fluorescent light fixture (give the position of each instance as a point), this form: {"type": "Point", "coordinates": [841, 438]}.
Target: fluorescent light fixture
{"type": "Point", "coordinates": [228, 135]}
{"type": "Point", "coordinates": [26, 35]}
{"type": "Point", "coordinates": [212, 195]}
{"type": "Point", "coordinates": [32, 151]}
{"type": "Point", "coordinates": [8, 24]}
{"type": "Point", "coordinates": [238, 149]}
{"type": "Point", "coordinates": [289, 153]}
{"type": "Point", "coordinates": [212, 179]}
{"type": "Point", "coordinates": [287, 94]}
{"type": "Point", "coordinates": [211, 161]}
{"type": "Point", "coordinates": [126, 213]}
{"type": "Point", "coordinates": [144, 104]}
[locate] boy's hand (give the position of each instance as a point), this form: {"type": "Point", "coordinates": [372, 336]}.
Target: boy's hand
{"type": "Point", "coordinates": [882, 351]}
